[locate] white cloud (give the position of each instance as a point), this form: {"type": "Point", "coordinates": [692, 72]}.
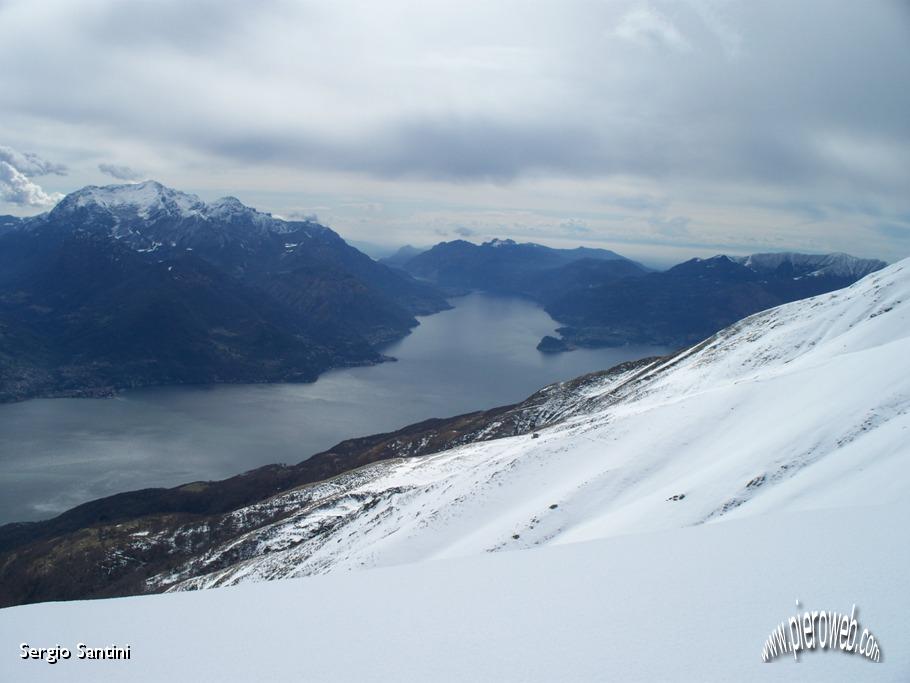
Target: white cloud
{"type": "Point", "coordinates": [16, 188]}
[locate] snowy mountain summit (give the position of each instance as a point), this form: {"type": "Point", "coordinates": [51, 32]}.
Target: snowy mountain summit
{"type": "Point", "coordinates": [813, 265]}
{"type": "Point", "coordinates": [144, 199]}
{"type": "Point", "coordinates": [149, 215]}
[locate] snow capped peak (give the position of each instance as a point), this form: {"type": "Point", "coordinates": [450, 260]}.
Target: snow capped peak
{"type": "Point", "coordinates": [228, 202]}
{"type": "Point", "coordinates": [149, 197]}
{"type": "Point", "coordinates": [836, 265]}
{"type": "Point", "coordinates": [496, 242]}
{"type": "Point", "coordinates": [141, 199]}
{"type": "Point", "coordinates": [232, 210]}
{"type": "Point", "coordinates": [130, 210]}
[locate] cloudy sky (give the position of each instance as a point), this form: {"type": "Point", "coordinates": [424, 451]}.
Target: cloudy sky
{"type": "Point", "coordinates": [660, 129]}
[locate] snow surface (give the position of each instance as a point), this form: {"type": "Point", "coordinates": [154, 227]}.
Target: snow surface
{"type": "Point", "coordinates": [667, 523]}
{"type": "Point", "coordinates": [686, 605]}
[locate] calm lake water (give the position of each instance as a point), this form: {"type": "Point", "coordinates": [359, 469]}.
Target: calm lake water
{"type": "Point", "coordinates": [57, 453]}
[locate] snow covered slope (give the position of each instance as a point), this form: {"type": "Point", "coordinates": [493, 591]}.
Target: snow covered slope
{"type": "Point", "coordinates": [686, 605]}
{"type": "Point", "coordinates": [804, 406]}
{"type": "Point", "coordinates": [667, 516]}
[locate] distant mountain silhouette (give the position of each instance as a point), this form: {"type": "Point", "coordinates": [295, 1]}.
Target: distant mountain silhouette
{"type": "Point", "coordinates": [695, 299]}
{"type": "Point", "coordinates": [508, 267]}
{"type": "Point", "coordinates": [604, 299]}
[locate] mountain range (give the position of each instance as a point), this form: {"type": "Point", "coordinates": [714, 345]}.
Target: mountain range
{"type": "Point", "coordinates": [140, 284]}
{"type": "Point", "coordinates": [604, 299]}
{"type": "Point", "coordinates": [694, 299]}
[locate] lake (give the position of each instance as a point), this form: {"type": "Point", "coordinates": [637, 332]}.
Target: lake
{"type": "Point", "coordinates": [57, 453]}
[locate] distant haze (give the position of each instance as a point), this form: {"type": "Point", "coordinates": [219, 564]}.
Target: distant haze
{"type": "Point", "coordinates": [659, 129]}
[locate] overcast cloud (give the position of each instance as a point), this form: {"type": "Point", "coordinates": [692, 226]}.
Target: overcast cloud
{"type": "Point", "coordinates": [664, 128]}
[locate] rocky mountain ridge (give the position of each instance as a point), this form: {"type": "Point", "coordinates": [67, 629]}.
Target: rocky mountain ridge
{"type": "Point", "coordinates": [136, 285]}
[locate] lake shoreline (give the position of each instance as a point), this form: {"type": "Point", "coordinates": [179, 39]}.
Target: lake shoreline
{"type": "Point", "coordinates": [58, 453]}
